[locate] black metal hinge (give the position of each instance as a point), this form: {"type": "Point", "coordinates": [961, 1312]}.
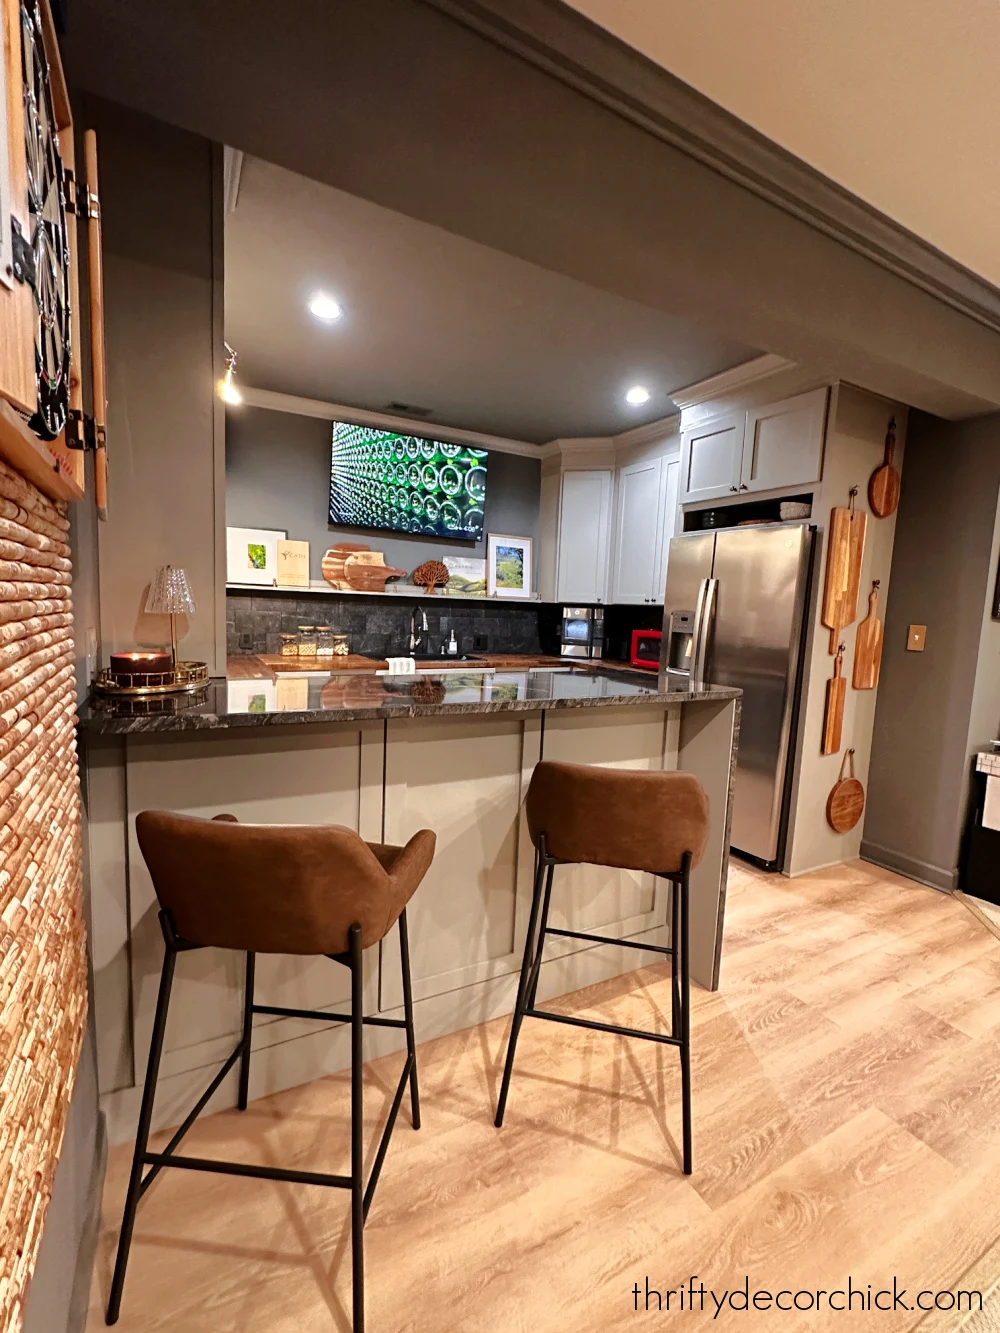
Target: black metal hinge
{"type": "Point", "coordinates": [22, 259]}
{"type": "Point", "coordinates": [81, 433]}
{"type": "Point", "coordinates": [78, 198]}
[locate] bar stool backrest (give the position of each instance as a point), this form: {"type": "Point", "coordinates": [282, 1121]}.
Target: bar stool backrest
{"type": "Point", "coordinates": [628, 818]}
{"type": "Point", "coordinates": [276, 888]}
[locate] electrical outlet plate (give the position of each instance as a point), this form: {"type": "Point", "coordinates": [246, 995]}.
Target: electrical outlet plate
{"type": "Point", "coordinates": [915, 638]}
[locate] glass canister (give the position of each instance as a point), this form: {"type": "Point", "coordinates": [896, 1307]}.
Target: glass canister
{"type": "Point", "coordinates": [307, 640]}
{"type": "Point", "coordinates": [324, 641]}
{"type": "Point", "coordinates": [289, 645]}
{"type": "Point", "coordinates": [341, 644]}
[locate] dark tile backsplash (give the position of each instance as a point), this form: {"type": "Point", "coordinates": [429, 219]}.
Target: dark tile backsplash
{"type": "Point", "coordinates": [379, 626]}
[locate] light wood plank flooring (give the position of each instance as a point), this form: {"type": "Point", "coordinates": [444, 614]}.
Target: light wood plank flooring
{"type": "Point", "coordinates": [847, 1123]}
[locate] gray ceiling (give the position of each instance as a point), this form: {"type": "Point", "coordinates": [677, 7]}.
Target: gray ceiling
{"type": "Point", "coordinates": [485, 340]}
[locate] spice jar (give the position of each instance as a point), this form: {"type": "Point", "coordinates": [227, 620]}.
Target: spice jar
{"type": "Point", "coordinates": [289, 645]}
{"type": "Point", "coordinates": [324, 641]}
{"type": "Point", "coordinates": [341, 644]}
{"type": "Point", "coordinates": [307, 640]}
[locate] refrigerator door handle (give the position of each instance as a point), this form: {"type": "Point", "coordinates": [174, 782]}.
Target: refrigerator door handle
{"type": "Point", "coordinates": [702, 625]}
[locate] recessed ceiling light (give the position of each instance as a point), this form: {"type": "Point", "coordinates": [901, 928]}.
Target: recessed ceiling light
{"type": "Point", "coordinates": [637, 395]}
{"type": "Point", "coordinates": [325, 308]}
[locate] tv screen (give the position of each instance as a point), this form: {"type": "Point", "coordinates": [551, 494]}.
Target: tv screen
{"type": "Point", "coordinates": [406, 483]}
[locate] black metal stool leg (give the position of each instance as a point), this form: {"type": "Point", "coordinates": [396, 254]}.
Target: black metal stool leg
{"type": "Point", "coordinates": [411, 1043]}
{"type": "Point", "coordinates": [142, 1132]}
{"type": "Point", "coordinates": [685, 1033]}
{"type": "Point", "coordinates": [675, 958]}
{"type": "Point", "coordinates": [357, 1131]}
{"type": "Point", "coordinates": [543, 926]}
{"type": "Point", "coordinates": [247, 1032]}
{"type": "Point", "coordinates": [522, 991]}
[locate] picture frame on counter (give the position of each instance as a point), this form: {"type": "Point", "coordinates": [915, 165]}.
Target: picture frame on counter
{"type": "Point", "coordinates": [508, 566]}
{"type": "Point", "coordinates": [252, 555]}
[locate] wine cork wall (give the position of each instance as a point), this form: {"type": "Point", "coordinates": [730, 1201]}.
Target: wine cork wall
{"type": "Point", "coordinates": [43, 970]}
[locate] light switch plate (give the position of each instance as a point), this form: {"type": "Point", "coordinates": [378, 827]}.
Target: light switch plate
{"type": "Point", "coordinates": [915, 637]}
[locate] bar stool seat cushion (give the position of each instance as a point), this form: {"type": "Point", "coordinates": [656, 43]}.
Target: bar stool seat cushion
{"type": "Point", "coordinates": [627, 818]}
{"type": "Point", "coordinates": [277, 888]}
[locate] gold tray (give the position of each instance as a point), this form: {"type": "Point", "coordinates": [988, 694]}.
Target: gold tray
{"type": "Point", "coordinates": [185, 676]}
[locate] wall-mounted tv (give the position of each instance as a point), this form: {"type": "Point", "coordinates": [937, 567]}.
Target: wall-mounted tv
{"type": "Point", "coordinates": [406, 483]}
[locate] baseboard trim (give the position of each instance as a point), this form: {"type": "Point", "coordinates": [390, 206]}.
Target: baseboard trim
{"type": "Point", "coordinates": [935, 877]}
{"type": "Point", "coordinates": [87, 1253]}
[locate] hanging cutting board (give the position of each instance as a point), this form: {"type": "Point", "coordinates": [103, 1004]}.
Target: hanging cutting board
{"type": "Point", "coordinates": [868, 647]}
{"type": "Point", "coordinates": [883, 486]}
{"type": "Point", "coordinates": [846, 803]}
{"type": "Point", "coordinates": [836, 694]}
{"type": "Point", "coordinates": [844, 554]}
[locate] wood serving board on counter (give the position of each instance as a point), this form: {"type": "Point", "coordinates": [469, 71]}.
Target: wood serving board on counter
{"type": "Point", "coordinates": [844, 555]}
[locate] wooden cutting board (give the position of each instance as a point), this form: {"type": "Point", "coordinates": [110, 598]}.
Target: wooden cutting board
{"type": "Point", "coordinates": [846, 803]}
{"type": "Point", "coordinates": [334, 560]}
{"type": "Point", "coordinates": [836, 694]}
{"type": "Point", "coordinates": [883, 485]}
{"type": "Point", "coordinates": [844, 554]}
{"type": "Point", "coordinates": [868, 647]}
{"type": "Point", "coordinates": [353, 568]}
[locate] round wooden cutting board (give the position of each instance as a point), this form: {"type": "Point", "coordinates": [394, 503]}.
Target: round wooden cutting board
{"type": "Point", "coordinates": [846, 803]}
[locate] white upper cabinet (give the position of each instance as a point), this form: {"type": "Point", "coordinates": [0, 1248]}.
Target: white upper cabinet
{"type": "Point", "coordinates": [584, 530]}
{"type": "Point", "coordinates": [783, 443]}
{"type": "Point", "coordinates": [765, 449]}
{"type": "Point", "coordinates": [639, 513]}
{"type": "Point", "coordinates": [711, 457]}
{"type": "Point", "coordinates": [670, 526]}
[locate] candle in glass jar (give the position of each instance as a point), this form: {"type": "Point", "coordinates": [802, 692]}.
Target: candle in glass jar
{"type": "Point", "coordinates": [139, 664]}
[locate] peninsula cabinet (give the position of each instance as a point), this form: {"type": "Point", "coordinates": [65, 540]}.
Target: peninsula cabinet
{"type": "Point", "coordinates": [767, 448]}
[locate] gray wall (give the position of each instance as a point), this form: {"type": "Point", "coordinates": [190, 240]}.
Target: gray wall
{"type": "Point", "coordinates": [937, 707]}
{"type": "Point", "coordinates": [161, 209]}
{"type": "Point", "coordinates": [278, 476]}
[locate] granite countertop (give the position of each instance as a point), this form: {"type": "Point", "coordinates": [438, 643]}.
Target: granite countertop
{"type": "Point", "coordinates": [362, 695]}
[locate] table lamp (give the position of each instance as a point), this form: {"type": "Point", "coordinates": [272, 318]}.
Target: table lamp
{"type": "Point", "coordinates": [170, 595]}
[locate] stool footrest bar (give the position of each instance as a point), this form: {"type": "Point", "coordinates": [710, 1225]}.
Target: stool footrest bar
{"type": "Point", "coordinates": [603, 1027]}
{"type": "Point", "coordinates": [324, 1016]}
{"type": "Point", "coordinates": [247, 1169]}
{"type": "Point", "coordinates": [607, 939]}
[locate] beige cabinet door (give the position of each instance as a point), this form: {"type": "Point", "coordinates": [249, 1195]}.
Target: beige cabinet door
{"type": "Point", "coordinates": [783, 443]}
{"type": "Point", "coordinates": [710, 458]}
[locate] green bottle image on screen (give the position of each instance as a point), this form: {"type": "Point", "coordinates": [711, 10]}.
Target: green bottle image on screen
{"type": "Point", "coordinates": [406, 483]}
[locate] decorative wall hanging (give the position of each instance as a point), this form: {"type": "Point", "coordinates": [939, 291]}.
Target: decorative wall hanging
{"type": "Point", "coordinates": [844, 555]}
{"type": "Point", "coordinates": [868, 645]}
{"type": "Point", "coordinates": [508, 566]}
{"type": "Point", "coordinates": [430, 575]}
{"type": "Point", "coordinates": [883, 486]}
{"type": "Point", "coordinates": [833, 718]}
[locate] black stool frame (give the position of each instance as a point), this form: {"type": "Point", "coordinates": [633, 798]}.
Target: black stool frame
{"type": "Point", "coordinates": [680, 980]}
{"type": "Point", "coordinates": [361, 1194]}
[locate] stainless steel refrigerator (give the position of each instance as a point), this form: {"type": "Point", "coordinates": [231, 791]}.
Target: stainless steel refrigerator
{"type": "Point", "coordinates": [734, 614]}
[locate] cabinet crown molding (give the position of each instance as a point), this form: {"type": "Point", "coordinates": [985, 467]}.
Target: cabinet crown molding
{"type": "Point", "coordinates": [731, 381]}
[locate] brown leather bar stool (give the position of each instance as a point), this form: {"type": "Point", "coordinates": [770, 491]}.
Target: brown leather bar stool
{"type": "Point", "coordinates": [293, 889]}
{"type": "Point", "coordinates": [633, 820]}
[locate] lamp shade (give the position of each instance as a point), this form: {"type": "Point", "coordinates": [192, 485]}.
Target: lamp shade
{"type": "Point", "coordinates": [170, 593]}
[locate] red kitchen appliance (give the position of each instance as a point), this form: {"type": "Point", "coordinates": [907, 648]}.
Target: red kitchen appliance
{"type": "Point", "coordinates": [646, 648]}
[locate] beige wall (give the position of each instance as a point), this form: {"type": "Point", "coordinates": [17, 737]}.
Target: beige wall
{"type": "Point", "coordinates": [898, 101]}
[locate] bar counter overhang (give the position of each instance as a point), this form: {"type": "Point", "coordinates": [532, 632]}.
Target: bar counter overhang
{"type": "Point", "coordinates": [385, 755]}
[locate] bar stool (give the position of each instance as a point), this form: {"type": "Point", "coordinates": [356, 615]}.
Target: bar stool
{"type": "Point", "coordinates": [633, 820]}
{"type": "Point", "coordinates": [296, 889]}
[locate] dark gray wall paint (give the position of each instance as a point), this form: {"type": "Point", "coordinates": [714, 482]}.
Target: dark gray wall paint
{"type": "Point", "coordinates": [935, 707]}
{"type": "Point", "coordinates": [278, 476]}
{"type": "Point", "coordinates": [494, 149]}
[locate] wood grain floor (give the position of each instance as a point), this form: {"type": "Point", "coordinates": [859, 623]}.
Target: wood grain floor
{"type": "Point", "coordinates": [847, 1123]}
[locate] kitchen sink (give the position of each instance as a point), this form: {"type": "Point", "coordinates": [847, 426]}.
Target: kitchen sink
{"type": "Point", "coordinates": [443, 660]}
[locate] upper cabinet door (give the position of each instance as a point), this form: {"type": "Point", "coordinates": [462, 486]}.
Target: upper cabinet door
{"type": "Point", "coordinates": [669, 525]}
{"type": "Point", "coordinates": [783, 445]}
{"type": "Point", "coordinates": [584, 529]}
{"type": "Point", "coordinates": [710, 458]}
{"type": "Point", "coordinates": [639, 519]}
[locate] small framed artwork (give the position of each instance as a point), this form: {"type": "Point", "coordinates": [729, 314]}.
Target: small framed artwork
{"type": "Point", "coordinates": [252, 555]}
{"type": "Point", "coordinates": [466, 575]}
{"type": "Point", "coordinates": [508, 566]}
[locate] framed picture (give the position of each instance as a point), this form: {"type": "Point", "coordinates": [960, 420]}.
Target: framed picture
{"type": "Point", "coordinates": [508, 566]}
{"type": "Point", "coordinates": [252, 555]}
{"type": "Point", "coordinates": [466, 575]}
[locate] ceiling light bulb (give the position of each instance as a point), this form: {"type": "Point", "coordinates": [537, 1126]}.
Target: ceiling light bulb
{"type": "Point", "coordinates": [637, 395]}
{"type": "Point", "coordinates": [230, 393]}
{"type": "Point", "coordinates": [325, 308]}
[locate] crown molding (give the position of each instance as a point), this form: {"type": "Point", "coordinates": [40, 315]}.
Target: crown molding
{"type": "Point", "coordinates": [650, 433]}
{"type": "Point", "coordinates": [316, 407]}
{"type": "Point", "coordinates": [731, 381]}
{"type": "Point", "coordinates": [553, 37]}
